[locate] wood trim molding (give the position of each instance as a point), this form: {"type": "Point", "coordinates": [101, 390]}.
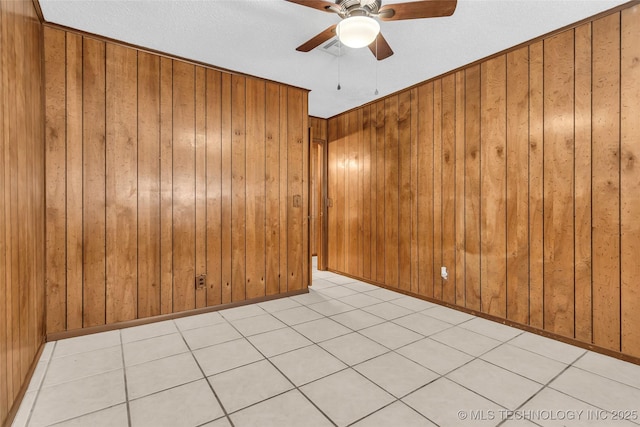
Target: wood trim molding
{"type": "Point", "coordinates": [138, 322]}
{"type": "Point", "coordinates": [527, 328]}
{"type": "Point", "coordinates": [23, 390]}
{"type": "Point", "coordinates": [502, 52]}
{"type": "Point", "coordinates": [36, 6]}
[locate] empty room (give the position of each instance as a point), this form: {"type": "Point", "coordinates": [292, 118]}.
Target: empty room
{"type": "Point", "coordinates": [273, 213]}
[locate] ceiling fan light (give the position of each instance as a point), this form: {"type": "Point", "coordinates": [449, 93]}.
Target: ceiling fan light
{"type": "Point", "coordinates": [358, 31]}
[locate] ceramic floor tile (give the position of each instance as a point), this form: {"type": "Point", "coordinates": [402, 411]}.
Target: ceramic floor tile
{"type": "Point", "coordinates": [290, 409]}
{"type": "Point", "coordinates": [449, 404]}
{"type": "Point", "coordinates": [434, 355]}
{"type": "Point", "coordinates": [279, 341]}
{"type": "Point", "coordinates": [38, 375]}
{"type": "Point", "coordinates": [153, 348]}
{"type": "Point", "coordinates": [278, 304]}
{"type": "Point", "coordinates": [257, 324]}
{"type": "Point", "coordinates": [466, 341]}
{"type": "Point", "coordinates": [116, 416]}
{"type": "Point", "coordinates": [413, 304]}
{"type": "Point", "coordinates": [22, 416]}
{"type": "Point", "coordinates": [86, 343]}
{"type": "Point", "coordinates": [199, 321]}
{"type": "Point", "coordinates": [422, 324]}
{"type": "Point", "coordinates": [242, 312]}
{"type": "Point", "coordinates": [346, 396]}
{"type": "Point", "coordinates": [396, 414]}
{"type": "Point", "coordinates": [360, 300]}
{"type": "Point", "coordinates": [396, 374]}
{"type": "Point", "coordinates": [525, 363]}
{"type": "Point", "coordinates": [148, 331]}
{"type": "Point", "coordinates": [332, 307]}
{"type": "Point", "coordinates": [353, 348]}
{"type": "Point", "coordinates": [599, 391]}
{"type": "Point", "coordinates": [491, 329]}
{"type": "Point", "coordinates": [337, 291]}
{"type": "Point", "coordinates": [220, 422]}
{"type": "Point", "coordinates": [547, 347]}
{"type": "Point", "coordinates": [499, 385]}
{"type": "Point", "coordinates": [311, 298]}
{"type": "Point", "coordinates": [80, 365]}
{"type": "Point", "coordinates": [391, 335]}
{"type": "Point", "coordinates": [229, 355]}
{"type": "Point", "coordinates": [70, 400]}
{"type": "Point", "coordinates": [448, 315]}
{"type": "Point", "coordinates": [158, 375]}
{"type": "Point", "coordinates": [511, 422]}
{"type": "Point", "coordinates": [188, 405]}
{"type": "Point", "coordinates": [385, 294]}
{"type": "Point", "coordinates": [249, 384]}
{"type": "Point", "coordinates": [296, 315]}
{"type": "Point", "coordinates": [361, 286]}
{"type": "Point", "coordinates": [615, 369]}
{"type": "Point", "coordinates": [357, 319]}
{"type": "Point", "coordinates": [387, 311]}
{"type": "Point", "coordinates": [47, 351]}
{"type": "Point", "coordinates": [322, 329]}
{"type": "Point", "coordinates": [340, 280]}
{"type": "Point", "coordinates": [567, 411]}
{"type": "Point", "coordinates": [307, 364]}
{"type": "Point", "coordinates": [319, 283]}
{"type": "Point", "coordinates": [210, 335]}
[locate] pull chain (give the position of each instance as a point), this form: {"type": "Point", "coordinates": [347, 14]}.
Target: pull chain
{"type": "Point", "coordinates": [376, 92]}
{"type": "Point", "coordinates": [339, 55]}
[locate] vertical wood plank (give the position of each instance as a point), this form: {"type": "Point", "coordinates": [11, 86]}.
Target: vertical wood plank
{"type": "Point", "coordinates": [460, 189]}
{"type": "Point", "coordinates": [149, 159]}
{"type": "Point", "coordinates": [255, 280]}
{"type": "Point", "coordinates": [493, 171]}
{"type": "Point", "coordinates": [630, 179]}
{"type": "Point", "coordinates": [121, 183]}
{"type": "Point", "coordinates": [367, 207]}
{"type": "Point", "coordinates": [306, 255]}
{"type": "Point", "coordinates": [380, 190]}
{"type": "Point", "coordinates": [473, 200]}
{"type": "Point", "coordinates": [404, 188]}
{"type": "Point", "coordinates": [272, 178]}
{"type": "Point", "coordinates": [605, 125]}
{"type": "Point", "coordinates": [295, 205]}
{"type": "Point", "coordinates": [4, 347]}
{"type": "Point", "coordinates": [284, 184]}
{"type": "Point", "coordinates": [166, 185]}
{"type": "Point", "coordinates": [340, 194]}
{"type": "Point", "coordinates": [536, 158]}
{"type": "Point", "coordinates": [373, 193]}
{"type": "Point", "coordinates": [414, 190]}
{"type": "Point", "coordinates": [214, 186]}
{"type": "Point", "coordinates": [227, 177]}
{"type": "Point", "coordinates": [448, 186]}
{"type": "Point", "coordinates": [238, 188]}
{"type": "Point", "coordinates": [517, 185]}
{"type": "Point", "coordinates": [582, 191]}
{"type": "Point", "coordinates": [184, 197]}
{"type": "Point", "coordinates": [558, 183]}
{"type": "Point", "coordinates": [55, 182]}
{"type": "Point", "coordinates": [74, 181]}
{"type": "Point", "coordinates": [94, 176]}
{"type": "Point", "coordinates": [201, 182]}
{"type": "Point", "coordinates": [332, 219]}
{"type": "Point", "coordinates": [437, 189]}
{"type": "Point", "coordinates": [425, 189]}
{"type": "Point", "coordinates": [391, 194]}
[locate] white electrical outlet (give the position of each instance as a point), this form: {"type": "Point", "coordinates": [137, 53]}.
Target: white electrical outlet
{"type": "Point", "coordinates": [443, 273]}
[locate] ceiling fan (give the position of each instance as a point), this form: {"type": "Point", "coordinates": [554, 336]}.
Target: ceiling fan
{"type": "Point", "coordinates": [359, 26]}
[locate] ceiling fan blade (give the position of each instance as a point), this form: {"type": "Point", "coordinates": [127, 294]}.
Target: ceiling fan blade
{"type": "Point", "coordinates": [325, 6]}
{"type": "Point", "coordinates": [318, 40]}
{"type": "Point", "coordinates": [383, 50]}
{"type": "Point", "coordinates": [417, 10]}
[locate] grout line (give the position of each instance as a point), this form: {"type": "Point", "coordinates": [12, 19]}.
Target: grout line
{"type": "Point", "coordinates": [124, 373]}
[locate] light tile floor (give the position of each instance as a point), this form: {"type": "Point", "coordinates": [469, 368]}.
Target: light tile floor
{"type": "Point", "coordinates": [347, 353]}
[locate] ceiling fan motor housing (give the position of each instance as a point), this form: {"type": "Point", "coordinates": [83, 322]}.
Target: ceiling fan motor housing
{"type": "Point", "coordinates": [358, 7]}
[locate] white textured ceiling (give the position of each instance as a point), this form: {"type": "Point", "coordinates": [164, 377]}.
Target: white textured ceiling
{"type": "Point", "coordinates": [259, 37]}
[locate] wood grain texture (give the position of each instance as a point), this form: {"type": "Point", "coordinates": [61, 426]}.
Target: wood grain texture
{"type": "Point", "coordinates": [448, 187]}
{"type": "Point", "coordinates": [381, 206]}
{"type": "Point", "coordinates": [24, 137]}
{"type": "Point", "coordinates": [425, 189]}
{"type": "Point", "coordinates": [605, 177]}
{"type": "Point", "coordinates": [121, 183]}
{"type": "Point", "coordinates": [459, 184]}
{"type": "Point", "coordinates": [404, 196]}
{"type": "Point", "coordinates": [175, 170]}
{"type": "Point", "coordinates": [630, 179]}
{"type": "Point", "coordinates": [518, 186]}
{"type": "Point", "coordinates": [437, 190]}
{"type": "Point", "coordinates": [391, 193]}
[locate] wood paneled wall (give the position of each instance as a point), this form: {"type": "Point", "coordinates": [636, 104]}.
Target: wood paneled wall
{"type": "Point", "coordinates": [520, 174]}
{"type": "Point", "coordinates": [22, 195]}
{"type": "Point", "coordinates": [317, 180]}
{"type": "Point", "coordinates": [159, 171]}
